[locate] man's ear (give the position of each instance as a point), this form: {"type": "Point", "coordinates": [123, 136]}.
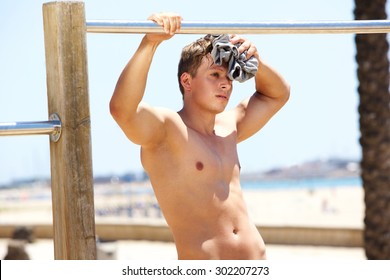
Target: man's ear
{"type": "Point", "coordinates": [185, 80]}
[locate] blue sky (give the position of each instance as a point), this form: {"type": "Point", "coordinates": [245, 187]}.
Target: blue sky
{"type": "Point", "coordinates": [319, 121]}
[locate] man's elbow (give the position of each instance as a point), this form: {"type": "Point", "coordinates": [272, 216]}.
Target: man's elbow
{"type": "Point", "coordinates": [286, 94]}
{"type": "Point", "coordinates": [115, 109]}
{"type": "Point", "coordinates": [121, 112]}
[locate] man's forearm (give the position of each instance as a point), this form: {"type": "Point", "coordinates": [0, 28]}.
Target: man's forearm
{"type": "Point", "coordinates": [270, 83]}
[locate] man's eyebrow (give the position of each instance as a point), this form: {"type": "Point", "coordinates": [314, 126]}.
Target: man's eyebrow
{"type": "Point", "coordinates": [216, 67]}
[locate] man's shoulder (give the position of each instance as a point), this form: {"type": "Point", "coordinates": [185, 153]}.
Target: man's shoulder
{"type": "Point", "coordinates": [173, 123]}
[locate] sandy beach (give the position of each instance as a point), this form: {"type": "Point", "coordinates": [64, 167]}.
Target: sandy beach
{"type": "Point", "coordinates": [322, 207]}
{"type": "Point", "coordinates": [43, 249]}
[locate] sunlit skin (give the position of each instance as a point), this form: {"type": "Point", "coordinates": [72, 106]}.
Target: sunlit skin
{"type": "Point", "coordinates": [191, 155]}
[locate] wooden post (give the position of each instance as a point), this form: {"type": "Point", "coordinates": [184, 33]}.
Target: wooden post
{"type": "Point", "coordinates": [71, 160]}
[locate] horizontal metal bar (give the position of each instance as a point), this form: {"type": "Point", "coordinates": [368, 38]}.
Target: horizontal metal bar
{"type": "Point", "coordinates": [51, 127]}
{"type": "Point", "coordinates": [244, 27]}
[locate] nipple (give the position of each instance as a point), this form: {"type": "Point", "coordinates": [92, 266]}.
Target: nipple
{"type": "Point", "coordinates": [199, 165]}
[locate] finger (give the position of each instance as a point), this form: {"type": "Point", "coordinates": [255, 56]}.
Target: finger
{"type": "Point", "coordinates": [179, 23]}
{"type": "Point", "coordinates": [175, 23]}
{"type": "Point", "coordinates": [172, 25]}
{"type": "Point", "coordinates": [251, 51]}
{"type": "Point", "coordinates": [245, 45]}
{"type": "Point", "coordinates": [166, 25]}
{"type": "Point", "coordinates": [155, 18]}
{"type": "Point", "coordinates": [234, 39]}
{"type": "Point", "coordinates": [161, 20]}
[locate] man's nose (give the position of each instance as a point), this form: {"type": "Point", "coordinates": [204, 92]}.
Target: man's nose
{"type": "Point", "coordinates": [225, 82]}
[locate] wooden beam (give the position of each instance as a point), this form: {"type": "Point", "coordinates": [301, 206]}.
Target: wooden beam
{"type": "Point", "coordinates": [281, 235]}
{"type": "Point", "coordinates": [71, 156]}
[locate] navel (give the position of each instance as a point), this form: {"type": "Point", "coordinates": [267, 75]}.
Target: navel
{"type": "Point", "coordinates": [235, 231]}
{"type": "Point", "coordinates": [199, 165]}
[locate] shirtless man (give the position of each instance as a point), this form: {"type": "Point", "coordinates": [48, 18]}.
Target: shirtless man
{"type": "Point", "coordinates": [191, 155]}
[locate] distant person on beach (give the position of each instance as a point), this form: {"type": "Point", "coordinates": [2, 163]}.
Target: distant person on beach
{"type": "Point", "coordinates": [191, 155]}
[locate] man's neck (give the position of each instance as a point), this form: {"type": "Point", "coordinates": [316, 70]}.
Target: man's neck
{"type": "Point", "coordinates": [202, 123]}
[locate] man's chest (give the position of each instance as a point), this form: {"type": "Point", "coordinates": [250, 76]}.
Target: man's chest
{"type": "Point", "coordinates": [212, 156]}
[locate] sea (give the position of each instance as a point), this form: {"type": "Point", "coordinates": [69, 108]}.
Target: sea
{"type": "Point", "coordinates": [275, 184]}
{"type": "Point", "coordinates": [304, 183]}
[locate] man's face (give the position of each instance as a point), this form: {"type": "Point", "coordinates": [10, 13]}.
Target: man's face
{"type": "Point", "coordinates": [211, 86]}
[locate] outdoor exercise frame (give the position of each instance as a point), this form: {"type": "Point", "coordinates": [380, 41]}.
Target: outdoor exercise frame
{"type": "Point", "coordinates": [65, 29]}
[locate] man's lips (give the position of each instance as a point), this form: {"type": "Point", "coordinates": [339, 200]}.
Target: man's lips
{"type": "Point", "coordinates": [222, 96]}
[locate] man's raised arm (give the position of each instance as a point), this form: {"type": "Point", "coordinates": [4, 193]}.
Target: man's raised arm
{"type": "Point", "coordinates": [140, 122]}
{"type": "Point", "coordinates": [272, 92]}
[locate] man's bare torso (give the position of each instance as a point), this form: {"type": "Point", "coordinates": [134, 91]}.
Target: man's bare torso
{"type": "Point", "coordinates": [196, 181]}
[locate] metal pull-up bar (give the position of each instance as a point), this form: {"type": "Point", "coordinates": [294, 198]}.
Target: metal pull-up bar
{"type": "Point", "coordinates": [245, 27]}
{"type": "Point", "coordinates": [51, 127]}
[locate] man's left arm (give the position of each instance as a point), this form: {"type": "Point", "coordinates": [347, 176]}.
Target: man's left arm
{"type": "Point", "coordinates": [272, 92]}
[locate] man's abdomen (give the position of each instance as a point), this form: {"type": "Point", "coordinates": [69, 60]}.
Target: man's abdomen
{"type": "Point", "coordinates": [230, 243]}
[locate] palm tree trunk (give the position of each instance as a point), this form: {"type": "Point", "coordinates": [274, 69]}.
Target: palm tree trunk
{"type": "Point", "coordinates": [374, 109]}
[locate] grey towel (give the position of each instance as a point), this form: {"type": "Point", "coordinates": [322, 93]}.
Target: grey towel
{"type": "Point", "coordinates": [239, 68]}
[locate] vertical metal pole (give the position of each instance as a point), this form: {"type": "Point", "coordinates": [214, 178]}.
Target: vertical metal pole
{"type": "Point", "coordinates": [71, 156]}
